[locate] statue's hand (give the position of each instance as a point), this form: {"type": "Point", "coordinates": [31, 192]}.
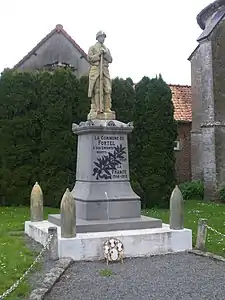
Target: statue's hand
{"type": "Point", "coordinates": [102, 51]}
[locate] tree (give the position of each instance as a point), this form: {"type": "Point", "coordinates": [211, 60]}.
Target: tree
{"type": "Point", "coordinates": [37, 144]}
{"type": "Point", "coordinates": [63, 101]}
{"type": "Point", "coordinates": [123, 98]}
{"type": "Point", "coordinates": [19, 135]}
{"type": "Point", "coordinates": [153, 160]}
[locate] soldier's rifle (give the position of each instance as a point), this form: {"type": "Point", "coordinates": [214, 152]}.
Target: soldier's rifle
{"type": "Point", "coordinates": [101, 104]}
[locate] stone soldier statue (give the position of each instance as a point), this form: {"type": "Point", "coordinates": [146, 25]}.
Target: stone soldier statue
{"type": "Point", "coordinates": [100, 85]}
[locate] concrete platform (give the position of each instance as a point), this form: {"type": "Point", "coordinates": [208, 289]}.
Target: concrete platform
{"type": "Point", "coordinates": [84, 226]}
{"type": "Point", "coordinates": [137, 243]}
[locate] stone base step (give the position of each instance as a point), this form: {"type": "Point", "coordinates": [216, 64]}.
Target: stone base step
{"type": "Point", "coordinates": [84, 226]}
{"type": "Point", "coordinates": [137, 243]}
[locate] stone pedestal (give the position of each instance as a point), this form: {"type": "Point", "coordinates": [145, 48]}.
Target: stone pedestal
{"type": "Point", "coordinates": [104, 197]}
{"type": "Point", "coordinates": [93, 115]}
{"type": "Point", "coordinates": [102, 189]}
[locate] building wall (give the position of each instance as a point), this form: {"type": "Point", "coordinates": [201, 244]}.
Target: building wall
{"type": "Point", "coordinates": [197, 113]}
{"type": "Point", "coordinates": [208, 73]}
{"type": "Point", "coordinates": [196, 93]}
{"type": "Point", "coordinates": [218, 66]}
{"type": "Point", "coordinates": [183, 155]}
{"type": "Point", "coordinates": [203, 136]}
{"type": "Point", "coordinates": [56, 48]}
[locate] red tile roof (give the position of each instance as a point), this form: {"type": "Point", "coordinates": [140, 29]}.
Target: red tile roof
{"type": "Point", "coordinates": [181, 97]}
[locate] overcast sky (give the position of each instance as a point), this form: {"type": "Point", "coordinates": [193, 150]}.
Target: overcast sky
{"type": "Point", "coordinates": [145, 37]}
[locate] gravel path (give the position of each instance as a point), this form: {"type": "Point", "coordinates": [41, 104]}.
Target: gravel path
{"type": "Point", "coordinates": [45, 266]}
{"type": "Point", "coordinates": [182, 276]}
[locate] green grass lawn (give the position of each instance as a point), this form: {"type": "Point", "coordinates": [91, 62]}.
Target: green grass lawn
{"type": "Point", "coordinates": [15, 258]}
{"type": "Point", "coordinates": [194, 210]}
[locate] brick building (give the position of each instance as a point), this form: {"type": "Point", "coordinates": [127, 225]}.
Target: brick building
{"type": "Point", "coordinates": [181, 97]}
{"type": "Point", "coordinates": [58, 48]}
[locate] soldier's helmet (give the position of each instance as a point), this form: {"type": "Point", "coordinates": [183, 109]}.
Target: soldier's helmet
{"type": "Point", "coordinates": [100, 33]}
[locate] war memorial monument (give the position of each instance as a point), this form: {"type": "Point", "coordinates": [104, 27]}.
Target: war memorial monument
{"type": "Point", "coordinates": [105, 203]}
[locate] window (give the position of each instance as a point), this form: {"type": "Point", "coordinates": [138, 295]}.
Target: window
{"type": "Point", "coordinates": [177, 145]}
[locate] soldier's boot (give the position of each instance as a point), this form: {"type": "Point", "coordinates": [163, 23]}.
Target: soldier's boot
{"type": "Point", "coordinates": [93, 104]}
{"type": "Point", "coordinates": [93, 111]}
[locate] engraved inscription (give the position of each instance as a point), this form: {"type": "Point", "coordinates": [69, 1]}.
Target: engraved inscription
{"type": "Point", "coordinates": [110, 157]}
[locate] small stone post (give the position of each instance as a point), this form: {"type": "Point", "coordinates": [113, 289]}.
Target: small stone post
{"type": "Point", "coordinates": [68, 215]}
{"type": "Point", "coordinates": [201, 234]}
{"type": "Point", "coordinates": [53, 246]}
{"type": "Point", "coordinates": [176, 210]}
{"type": "Point", "coordinates": [36, 203]}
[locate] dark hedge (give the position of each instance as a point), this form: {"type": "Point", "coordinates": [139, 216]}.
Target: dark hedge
{"type": "Point", "coordinates": [37, 144]}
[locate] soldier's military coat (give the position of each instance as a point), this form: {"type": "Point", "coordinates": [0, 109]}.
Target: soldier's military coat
{"type": "Point", "coordinates": [94, 73]}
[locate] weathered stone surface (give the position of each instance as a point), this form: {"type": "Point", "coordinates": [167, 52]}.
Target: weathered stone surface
{"type": "Point", "coordinates": [68, 215]}
{"type": "Point", "coordinates": [100, 85]}
{"type": "Point", "coordinates": [204, 18]}
{"type": "Point", "coordinates": [218, 64]}
{"type": "Point", "coordinates": [53, 246]}
{"type": "Point", "coordinates": [50, 279]}
{"type": "Point", "coordinates": [207, 254]}
{"type": "Point", "coordinates": [208, 90]}
{"type": "Point", "coordinates": [63, 263]}
{"type": "Point", "coordinates": [105, 200]}
{"type": "Point", "coordinates": [176, 210]}
{"type": "Point", "coordinates": [197, 116]}
{"type": "Point", "coordinates": [196, 155]}
{"type": "Point", "coordinates": [201, 234]}
{"type": "Point", "coordinates": [36, 203]}
{"type": "Point", "coordinates": [209, 162]}
{"type": "Point", "coordinates": [83, 226]}
{"type": "Point", "coordinates": [38, 294]}
{"type": "Point", "coordinates": [102, 190]}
